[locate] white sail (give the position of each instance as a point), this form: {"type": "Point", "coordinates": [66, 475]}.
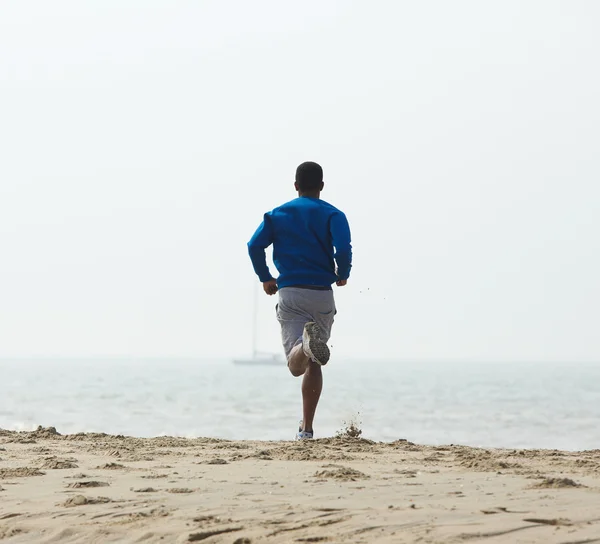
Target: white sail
{"type": "Point", "coordinates": [259, 358]}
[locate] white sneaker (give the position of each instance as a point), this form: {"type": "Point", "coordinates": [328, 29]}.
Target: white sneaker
{"type": "Point", "coordinates": [313, 346]}
{"type": "Point", "coordinates": [303, 435]}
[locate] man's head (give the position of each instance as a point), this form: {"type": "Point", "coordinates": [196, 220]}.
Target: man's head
{"type": "Point", "coordinates": [309, 179]}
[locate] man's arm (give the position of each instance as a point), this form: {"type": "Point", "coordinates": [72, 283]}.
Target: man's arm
{"type": "Point", "coordinates": [262, 239]}
{"type": "Point", "coordinates": [340, 234]}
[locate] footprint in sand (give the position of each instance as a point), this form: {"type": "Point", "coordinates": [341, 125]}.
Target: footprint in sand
{"type": "Point", "coordinates": [343, 474]}
{"type": "Point", "coordinates": [81, 500]}
{"type": "Point", "coordinates": [58, 464]}
{"type": "Point", "coordinates": [20, 472]}
{"type": "Point", "coordinates": [77, 485]}
{"type": "Point", "coordinates": [111, 466]}
{"type": "Point", "coordinates": [557, 483]}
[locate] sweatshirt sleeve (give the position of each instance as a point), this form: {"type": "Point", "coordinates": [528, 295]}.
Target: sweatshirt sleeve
{"type": "Point", "coordinates": [340, 234]}
{"type": "Point", "coordinates": [262, 239]}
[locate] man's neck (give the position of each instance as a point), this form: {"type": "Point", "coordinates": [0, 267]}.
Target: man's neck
{"type": "Point", "coordinates": [309, 194]}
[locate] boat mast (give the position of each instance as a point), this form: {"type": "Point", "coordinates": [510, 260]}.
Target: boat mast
{"type": "Point", "coordinates": [255, 323]}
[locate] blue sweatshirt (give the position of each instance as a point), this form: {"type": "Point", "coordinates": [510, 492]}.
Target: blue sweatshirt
{"type": "Point", "coordinates": [309, 237]}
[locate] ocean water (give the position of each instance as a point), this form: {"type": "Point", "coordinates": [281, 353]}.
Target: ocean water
{"type": "Point", "coordinates": [489, 405]}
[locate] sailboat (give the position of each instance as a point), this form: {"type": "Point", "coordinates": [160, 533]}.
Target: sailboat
{"type": "Point", "coordinates": [258, 357]}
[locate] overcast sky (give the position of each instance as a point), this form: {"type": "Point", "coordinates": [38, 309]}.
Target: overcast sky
{"type": "Point", "coordinates": [141, 142]}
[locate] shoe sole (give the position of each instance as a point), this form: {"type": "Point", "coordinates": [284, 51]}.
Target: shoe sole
{"type": "Point", "coordinates": [314, 347]}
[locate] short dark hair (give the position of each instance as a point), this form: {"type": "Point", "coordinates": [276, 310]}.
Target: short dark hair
{"type": "Point", "coordinates": [309, 176]}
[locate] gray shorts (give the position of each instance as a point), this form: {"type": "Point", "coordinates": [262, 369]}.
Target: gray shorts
{"type": "Point", "coordinates": [297, 307]}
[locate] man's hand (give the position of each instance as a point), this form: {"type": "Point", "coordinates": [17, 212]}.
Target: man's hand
{"type": "Point", "coordinates": [270, 287]}
{"type": "Point", "coordinates": [341, 283]}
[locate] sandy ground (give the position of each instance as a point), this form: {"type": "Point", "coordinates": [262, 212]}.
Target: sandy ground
{"type": "Point", "coordinates": [100, 488]}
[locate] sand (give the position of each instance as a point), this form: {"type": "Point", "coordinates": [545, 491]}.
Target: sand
{"type": "Point", "coordinates": [99, 488]}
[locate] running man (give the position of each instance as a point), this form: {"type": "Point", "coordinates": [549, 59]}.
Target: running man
{"type": "Point", "coordinates": [310, 237]}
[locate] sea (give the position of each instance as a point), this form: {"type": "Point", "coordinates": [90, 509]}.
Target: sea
{"type": "Point", "coordinates": [509, 405]}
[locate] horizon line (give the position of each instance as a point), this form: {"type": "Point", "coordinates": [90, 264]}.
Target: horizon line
{"type": "Point", "coordinates": [204, 358]}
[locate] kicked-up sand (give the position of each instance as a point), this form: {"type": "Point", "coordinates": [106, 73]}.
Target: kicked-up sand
{"type": "Point", "coordinates": [98, 488]}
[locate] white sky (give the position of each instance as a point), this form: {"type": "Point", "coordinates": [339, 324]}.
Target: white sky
{"type": "Point", "coordinates": [141, 142]}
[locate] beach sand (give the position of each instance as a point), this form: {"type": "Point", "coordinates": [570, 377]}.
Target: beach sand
{"type": "Point", "coordinates": [100, 488]}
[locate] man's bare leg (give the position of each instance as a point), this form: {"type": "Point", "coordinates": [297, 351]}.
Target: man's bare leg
{"type": "Point", "coordinates": [312, 385]}
{"type": "Point", "coordinates": [298, 360]}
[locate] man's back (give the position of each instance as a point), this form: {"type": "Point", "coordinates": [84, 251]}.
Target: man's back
{"type": "Point", "coordinates": [304, 233]}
